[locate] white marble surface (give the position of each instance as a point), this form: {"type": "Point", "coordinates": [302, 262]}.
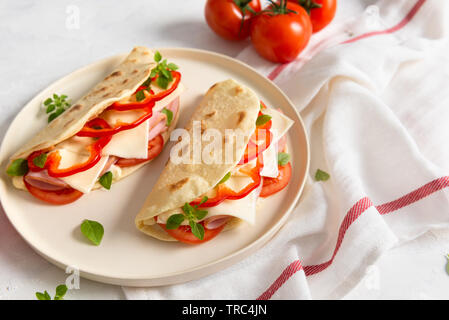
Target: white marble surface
{"type": "Point", "coordinates": [42, 41]}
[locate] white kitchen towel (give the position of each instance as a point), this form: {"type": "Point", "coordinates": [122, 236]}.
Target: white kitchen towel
{"type": "Point", "coordinates": [373, 94]}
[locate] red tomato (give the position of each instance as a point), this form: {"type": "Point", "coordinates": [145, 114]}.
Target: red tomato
{"type": "Point", "coordinates": [273, 185]}
{"type": "Point", "coordinates": [224, 17]}
{"type": "Point", "coordinates": [320, 17]}
{"type": "Point", "coordinates": [184, 234]}
{"type": "Point", "coordinates": [59, 197]}
{"type": "Point", "coordinates": [154, 148]}
{"type": "Point", "coordinates": [282, 36]}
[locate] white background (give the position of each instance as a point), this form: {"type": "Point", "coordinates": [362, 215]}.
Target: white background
{"type": "Point", "coordinates": [41, 43]}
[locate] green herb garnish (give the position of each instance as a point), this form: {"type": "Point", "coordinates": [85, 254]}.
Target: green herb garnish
{"type": "Point", "coordinates": [225, 178]}
{"type": "Point", "coordinates": [163, 71]}
{"type": "Point", "coordinates": [61, 290]}
{"type": "Point", "coordinates": [40, 160]}
{"type": "Point", "coordinates": [106, 180]}
{"type": "Point", "coordinates": [283, 158]}
{"type": "Point", "coordinates": [447, 264]}
{"type": "Point", "coordinates": [169, 114]}
{"type": "Point", "coordinates": [43, 296]}
{"type": "Point", "coordinates": [93, 231]}
{"type": "Point", "coordinates": [192, 214]}
{"type": "Point", "coordinates": [18, 167]}
{"type": "Point", "coordinates": [321, 175]}
{"type": "Point", "coordinates": [140, 95]}
{"type": "Point", "coordinates": [262, 119]}
{"type": "Point", "coordinates": [56, 106]}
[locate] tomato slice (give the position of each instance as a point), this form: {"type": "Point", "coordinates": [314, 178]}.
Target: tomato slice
{"type": "Point", "coordinates": [274, 185]}
{"type": "Point", "coordinates": [154, 148]}
{"type": "Point", "coordinates": [184, 234]}
{"type": "Point", "coordinates": [59, 197]}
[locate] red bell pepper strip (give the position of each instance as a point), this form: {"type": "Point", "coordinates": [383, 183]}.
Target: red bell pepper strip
{"type": "Point", "coordinates": [54, 158]}
{"type": "Point", "coordinates": [224, 193]}
{"type": "Point", "coordinates": [150, 99]}
{"type": "Point", "coordinates": [90, 131]}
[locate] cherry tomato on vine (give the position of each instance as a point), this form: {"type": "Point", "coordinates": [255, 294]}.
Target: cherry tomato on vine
{"type": "Point", "coordinates": [280, 32]}
{"type": "Point", "coordinates": [230, 19]}
{"type": "Point", "coordinates": [321, 11]}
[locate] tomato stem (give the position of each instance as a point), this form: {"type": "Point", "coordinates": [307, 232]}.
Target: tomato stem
{"type": "Point", "coordinates": [276, 8]}
{"type": "Point", "coordinates": [309, 5]}
{"type": "Point", "coordinates": [244, 7]}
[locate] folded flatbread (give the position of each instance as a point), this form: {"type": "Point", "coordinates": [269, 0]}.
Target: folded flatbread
{"type": "Point", "coordinates": [118, 86]}
{"type": "Point", "coordinates": [226, 105]}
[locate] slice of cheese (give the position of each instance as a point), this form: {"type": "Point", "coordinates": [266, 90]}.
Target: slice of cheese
{"type": "Point", "coordinates": [83, 181]}
{"type": "Point", "coordinates": [133, 143]}
{"type": "Point", "coordinates": [270, 162]}
{"type": "Point", "coordinates": [161, 104]}
{"type": "Point", "coordinates": [237, 183]}
{"type": "Point", "coordinates": [130, 144]}
{"type": "Point", "coordinates": [279, 127]}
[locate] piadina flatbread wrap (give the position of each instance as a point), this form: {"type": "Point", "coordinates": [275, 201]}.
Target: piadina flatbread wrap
{"type": "Point", "coordinates": [117, 127]}
{"type": "Point", "coordinates": [193, 201]}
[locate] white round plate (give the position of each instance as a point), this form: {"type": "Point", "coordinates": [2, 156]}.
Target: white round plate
{"type": "Point", "coordinates": [126, 256]}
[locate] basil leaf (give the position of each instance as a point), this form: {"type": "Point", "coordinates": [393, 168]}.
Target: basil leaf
{"type": "Point", "coordinates": [262, 119]}
{"type": "Point", "coordinates": [283, 158]}
{"type": "Point", "coordinates": [50, 108]}
{"type": "Point", "coordinates": [106, 180]}
{"type": "Point", "coordinates": [172, 66]}
{"type": "Point", "coordinates": [162, 82]}
{"type": "Point", "coordinates": [48, 101]}
{"type": "Point", "coordinates": [197, 229]}
{"type": "Point", "coordinates": [166, 73]}
{"type": "Point", "coordinates": [18, 167]}
{"type": "Point", "coordinates": [321, 175]}
{"type": "Point", "coordinates": [40, 160]}
{"type": "Point", "coordinates": [61, 290]}
{"type": "Point", "coordinates": [169, 115]}
{"type": "Point", "coordinates": [157, 56]}
{"type": "Point", "coordinates": [204, 200]}
{"type": "Point", "coordinates": [43, 296]}
{"type": "Point", "coordinates": [93, 231]}
{"type": "Point", "coordinates": [188, 210]}
{"type": "Point", "coordinates": [200, 214]}
{"type": "Point", "coordinates": [174, 221]}
{"type": "Point", "coordinates": [447, 264]}
{"type": "Point", "coordinates": [225, 178]}
{"type": "Point", "coordinates": [147, 82]}
{"type": "Point", "coordinates": [140, 95]}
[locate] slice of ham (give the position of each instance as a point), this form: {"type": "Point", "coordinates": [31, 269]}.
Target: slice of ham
{"type": "Point", "coordinates": [157, 127]}
{"type": "Point", "coordinates": [112, 160]}
{"type": "Point", "coordinates": [43, 181]}
{"type": "Point", "coordinates": [216, 221]}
